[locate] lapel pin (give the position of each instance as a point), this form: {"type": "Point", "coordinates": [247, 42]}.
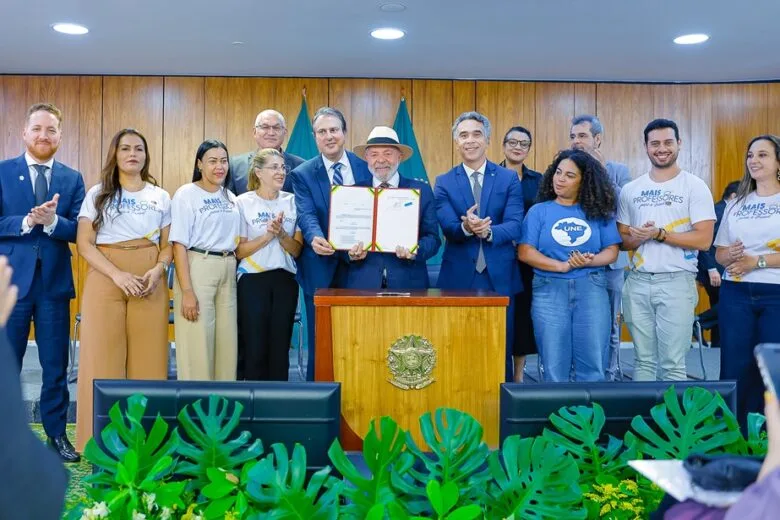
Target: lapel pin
{"type": "Point", "coordinates": [21, 177]}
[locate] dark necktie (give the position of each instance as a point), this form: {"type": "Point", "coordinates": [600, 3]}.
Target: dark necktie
{"type": "Point", "coordinates": [385, 185]}
{"type": "Point", "coordinates": [338, 180]}
{"type": "Point", "coordinates": [477, 189]}
{"type": "Point", "coordinates": [41, 186]}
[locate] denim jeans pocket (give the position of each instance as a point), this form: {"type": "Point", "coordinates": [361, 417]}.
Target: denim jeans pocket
{"type": "Point", "coordinates": [597, 278]}
{"type": "Point", "coordinates": [539, 282]}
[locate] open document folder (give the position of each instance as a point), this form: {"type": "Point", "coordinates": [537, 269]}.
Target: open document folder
{"type": "Point", "coordinates": [382, 219]}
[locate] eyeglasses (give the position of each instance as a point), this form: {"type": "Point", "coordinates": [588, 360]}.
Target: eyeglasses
{"type": "Point", "coordinates": [275, 128]}
{"type": "Point", "coordinates": [514, 143]}
{"type": "Point", "coordinates": [276, 168]}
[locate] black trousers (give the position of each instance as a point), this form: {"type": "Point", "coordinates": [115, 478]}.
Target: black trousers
{"type": "Point", "coordinates": [266, 313]}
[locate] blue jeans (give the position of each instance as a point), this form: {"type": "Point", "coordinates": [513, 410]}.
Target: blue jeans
{"type": "Point", "coordinates": [571, 324]}
{"type": "Point", "coordinates": [615, 279]}
{"type": "Point", "coordinates": [748, 314]}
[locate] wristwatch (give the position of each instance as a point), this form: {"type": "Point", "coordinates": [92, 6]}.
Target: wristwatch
{"type": "Point", "coordinates": [761, 264]}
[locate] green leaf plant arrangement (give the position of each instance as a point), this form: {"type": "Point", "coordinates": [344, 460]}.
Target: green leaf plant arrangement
{"type": "Point", "coordinates": [572, 471]}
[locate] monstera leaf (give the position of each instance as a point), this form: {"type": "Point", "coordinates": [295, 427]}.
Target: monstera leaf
{"type": "Point", "coordinates": [457, 454]}
{"type": "Point", "coordinates": [211, 448]}
{"type": "Point", "coordinates": [381, 451]}
{"type": "Point", "coordinates": [536, 480]}
{"type": "Point", "coordinates": [701, 423]}
{"type": "Point", "coordinates": [136, 462]}
{"type": "Point", "coordinates": [277, 487]}
{"type": "Point", "coordinates": [124, 433]}
{"type": "Point", "coordinates": [578, 432]}
{"type": "Point", "coordinates": [757, 443]}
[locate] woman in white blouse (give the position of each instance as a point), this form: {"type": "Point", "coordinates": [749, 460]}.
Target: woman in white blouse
{"type": "Point", "coordinates": [205, 223]}
{"type": "Point", "coordinates": [267, 291]}
{"type": "Point", "coordinates": [123, 236]}
{"type": "Point", "coordinates": [748, 246]}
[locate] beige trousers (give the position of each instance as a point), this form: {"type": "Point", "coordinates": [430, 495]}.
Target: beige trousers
{"type": "Point", "coordinates": [206, 348]}
{"type": "Point", "coordinates": [121, 337]}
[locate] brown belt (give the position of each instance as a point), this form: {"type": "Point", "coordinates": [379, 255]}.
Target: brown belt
{"type": "Point", "coordinates": [128, 247]}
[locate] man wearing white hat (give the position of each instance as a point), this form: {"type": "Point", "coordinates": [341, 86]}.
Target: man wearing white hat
{"type": "Point", "coordinates": [404, 269]}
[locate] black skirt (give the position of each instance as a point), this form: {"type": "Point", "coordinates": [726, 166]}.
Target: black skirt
{"type": "Point", "coordinates": [525, 343]}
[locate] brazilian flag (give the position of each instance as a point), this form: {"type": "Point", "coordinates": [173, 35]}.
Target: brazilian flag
{"type": "Point", "coordinates": [414, 167]}
{"type": "Point", "coordinates": [301, 141]}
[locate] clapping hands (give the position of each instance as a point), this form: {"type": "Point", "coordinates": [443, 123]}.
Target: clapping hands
{"type": "Point", "coordinates": [475, 225]}
{"type": "Point", "coordinates": [44, 214]}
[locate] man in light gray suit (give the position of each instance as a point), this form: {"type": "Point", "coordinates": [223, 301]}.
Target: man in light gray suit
{"type": "Point", "coordinates": [586, 134]}
{"type": "Point", "coordinates": [269, 132]}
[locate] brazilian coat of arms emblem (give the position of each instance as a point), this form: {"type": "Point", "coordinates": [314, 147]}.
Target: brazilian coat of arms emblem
{"type": "Point", "coordinates": [411, 360]}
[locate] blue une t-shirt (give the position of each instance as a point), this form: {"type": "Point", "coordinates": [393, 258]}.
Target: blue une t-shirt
{"type": "Point", "coordinates": [555, 230]}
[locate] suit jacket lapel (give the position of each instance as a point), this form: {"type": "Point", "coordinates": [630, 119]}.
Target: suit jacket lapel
{"type": "Point", "coordinates": [464, 186]}
{"type": "Point", "coordinates": [57, 182]}
{"type": "Point", "coordinates": [487, 187]}
{"type": "Point", "coordinates": [322, 180]}
{"type": "Point", "coordinates": [25, 181]}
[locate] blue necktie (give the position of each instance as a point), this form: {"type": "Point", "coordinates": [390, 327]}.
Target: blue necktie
{"type": "Point", "coordinates": [338, 180]}
{"type": "Point", "coordinates": [41, 186]}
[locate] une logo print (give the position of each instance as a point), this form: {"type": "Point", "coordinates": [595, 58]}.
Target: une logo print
{"type": "Point", "coordinates": [571, 231]}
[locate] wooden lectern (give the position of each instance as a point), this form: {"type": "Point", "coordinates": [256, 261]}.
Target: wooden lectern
{"type": "Point", "coordinates": [355, 331]}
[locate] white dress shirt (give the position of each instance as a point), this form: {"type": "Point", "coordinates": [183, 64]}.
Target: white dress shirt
{"type": "Point", "coordinates": [481, 176]}
{"type": "Point", "coordinates": [392, 181]}
{"type": "Point", "coordinates": [26, 228]}
{"type": "Point", "coordinates": [348, 179]}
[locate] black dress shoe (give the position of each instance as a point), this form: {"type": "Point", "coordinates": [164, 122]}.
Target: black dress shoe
{"type": "Point", "coordinates": [64, 448]}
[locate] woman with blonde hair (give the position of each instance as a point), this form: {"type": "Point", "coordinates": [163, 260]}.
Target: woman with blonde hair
{"type": "Point", "coordinates": [123, 236]}
{"type": "Point", "coordinates": [267, 291]}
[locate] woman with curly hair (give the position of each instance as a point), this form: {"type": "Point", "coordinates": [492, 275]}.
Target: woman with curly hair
{"type": "Point", "coordinates": [123, 236]}
{"type": "Point", "coordinates": [568, 238]}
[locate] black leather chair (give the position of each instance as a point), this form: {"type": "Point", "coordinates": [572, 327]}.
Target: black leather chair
{"type": "Point", "coordinates": [307, 413]}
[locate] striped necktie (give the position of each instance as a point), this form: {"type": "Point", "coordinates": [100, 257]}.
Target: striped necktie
{"type": "Point", "coordinates": [338, 180]}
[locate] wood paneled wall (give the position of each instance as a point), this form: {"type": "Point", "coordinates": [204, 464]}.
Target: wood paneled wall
{"type": "Point", "coordinates": [177, 113]}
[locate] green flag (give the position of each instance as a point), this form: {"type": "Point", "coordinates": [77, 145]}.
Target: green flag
{"type": "Point", "coordinates": [301, 141]}
{"type": "Point", "coordinates": [414, 167]}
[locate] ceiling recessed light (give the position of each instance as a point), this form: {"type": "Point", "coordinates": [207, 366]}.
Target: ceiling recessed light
{"type": "Point", "coordinates": [69, 28]}
{"type": "Point", "coordinates": [237, 43]}
{"type": "Point", "coordinates": [690, 39]}
{"type": "Point", "coordinates": [387, 33]}
{"type": "Point", "coordinates": [392, 7]}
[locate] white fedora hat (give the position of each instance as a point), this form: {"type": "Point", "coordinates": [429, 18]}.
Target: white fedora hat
{"type": "Point", "coordinates": [383, 136]}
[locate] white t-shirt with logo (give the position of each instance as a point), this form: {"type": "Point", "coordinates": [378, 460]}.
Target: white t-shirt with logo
{"type": "Point", "coordinates": [256, 212]}
{"type": "Point", "coordinates": [675, 205]}
{"type": "Point", "coordinates": [131, 215]}
{"type": "Point", "coordinates": [756, 222]}
{"type": "Point", "coordinates": [205, 220]}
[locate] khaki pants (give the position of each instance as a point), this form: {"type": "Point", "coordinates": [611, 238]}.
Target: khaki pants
{"type": "Point", "coordinates": [121, 337]}
{"type": "Point", "coordinates": [659, 311]}
{"type": "Point", "coordinates": [206, 349]}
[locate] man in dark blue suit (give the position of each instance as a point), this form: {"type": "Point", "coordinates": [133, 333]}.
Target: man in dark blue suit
{"type": "Point", "coordinates": [402, 268]}
{"type": "Point", "coordinates": [319, 265]}
{"type": "Point", "coordinates": [480, 209]}
{"type": "Point", "coordinates": [37, 479]}
{"type": "Point", "coordinates": [41, 199]}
